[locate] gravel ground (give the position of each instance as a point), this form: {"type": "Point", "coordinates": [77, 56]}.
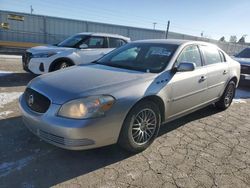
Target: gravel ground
{"type": "Point", "coordinates": [208, 148]}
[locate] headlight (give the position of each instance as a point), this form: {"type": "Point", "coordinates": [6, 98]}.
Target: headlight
{"type": "Point", "coordinates": [44, 55]}
{"type": "Point", "coordinates": [88, 107]}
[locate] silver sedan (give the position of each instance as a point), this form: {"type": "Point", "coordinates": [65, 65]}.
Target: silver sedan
{"type": "Point", "coordinates": [128, 94]}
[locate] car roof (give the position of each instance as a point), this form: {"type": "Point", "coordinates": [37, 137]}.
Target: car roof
{"type": "Point", "coordinates": [172, 41]}
{"type": "Point", "coordinates": [104, 35]}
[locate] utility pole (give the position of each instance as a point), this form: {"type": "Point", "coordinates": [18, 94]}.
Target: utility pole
{"type": "Point", "coordinates": [202, 33]}
{"type": "Point", "coordinates": [167, 29]}
{"type": "Point", "coordinates": [154, 24]}
{"type": "Point", "coordinates": [31, 9]}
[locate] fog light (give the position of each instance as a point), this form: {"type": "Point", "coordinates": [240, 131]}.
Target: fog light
{"type": "Point", "coordinates": [41, 67]}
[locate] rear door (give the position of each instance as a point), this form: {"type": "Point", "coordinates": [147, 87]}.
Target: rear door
{"type": "Point", "coordinates": [188, 89]}
{"type": "Point", "coordinates": [115, 42]}
{"type": "Point", "coordinates": [217, 71]}
{"type": "Point", "coordinates": [97, 47]}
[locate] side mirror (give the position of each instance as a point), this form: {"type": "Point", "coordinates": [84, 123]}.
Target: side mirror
{"type": "Point", "coordinates": [83, 46]}
{"type": "Point", "coordinates": [184, 67]}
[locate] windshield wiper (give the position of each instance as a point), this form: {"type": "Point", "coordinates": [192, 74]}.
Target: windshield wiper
{"type": "Point", "coordinates": [120, 66]}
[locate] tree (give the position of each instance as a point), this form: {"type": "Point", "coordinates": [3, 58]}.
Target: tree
{"type": "Point", "coordinates": [242, 39]}
{"type": "Point", "coordinates": [233, 38]}
{"type": "Point", "coordinates": [222, 39]}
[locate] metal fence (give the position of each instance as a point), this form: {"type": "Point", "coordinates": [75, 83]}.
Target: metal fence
{"type": "Point", "coordinates": [50, 30]}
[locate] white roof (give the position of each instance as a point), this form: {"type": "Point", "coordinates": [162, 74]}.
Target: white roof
{"type": "Point", "coordinates": [105, 35]}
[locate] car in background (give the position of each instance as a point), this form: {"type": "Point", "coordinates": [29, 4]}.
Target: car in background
{"type": "Point", "coordinates": [126, 96]}
{"type": "Point", "coordinates": [77, 49]}
{"type": "Point", "coordinates": [244, 59]}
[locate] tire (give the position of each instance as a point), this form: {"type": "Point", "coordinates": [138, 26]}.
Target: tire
{"type": "Point", "coordinates": [227, 97]}
{"type": "Point", "coordinates": [61, 65]}
{"type": "Point", "coordinates": [136, 135]}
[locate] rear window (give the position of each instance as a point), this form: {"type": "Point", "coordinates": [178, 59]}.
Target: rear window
{"type": "Point", "coordinates": [115, 42]}
{"type": "Point", "coordinates": [211, 55]}
{"type": "Point", "coordinates": [222, 57]}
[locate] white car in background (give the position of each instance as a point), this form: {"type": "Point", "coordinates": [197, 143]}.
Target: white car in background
{"type": "Point", "coordinates": [77, 49]}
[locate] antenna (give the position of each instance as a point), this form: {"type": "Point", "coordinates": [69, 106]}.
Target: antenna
{"type": "Point", "coordinates": [167, 29]}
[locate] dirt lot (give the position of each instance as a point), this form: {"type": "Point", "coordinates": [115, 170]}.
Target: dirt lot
{"type": "Point", "coordinates": [208, 148]}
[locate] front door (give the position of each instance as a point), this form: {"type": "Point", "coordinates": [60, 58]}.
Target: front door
{"type": "Point", "coordinates": [188, 89]}
{"type": "Point", "coordinates": [97, 47]}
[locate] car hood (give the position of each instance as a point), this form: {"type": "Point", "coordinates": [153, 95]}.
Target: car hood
{"type": "Point", "coordinates": [45, 49]}
{"type": "Point", "coordinates": [243, 61]}
{"type": "Point", "coordinates": [85, 80]}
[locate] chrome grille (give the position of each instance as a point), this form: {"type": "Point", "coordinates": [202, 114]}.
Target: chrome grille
{"type": "Point", "coordinates": [245, 69]}
{"type": "Point", "coordinates": [25, 59]}
{"type": "Point", "coordinates": [36, 101]}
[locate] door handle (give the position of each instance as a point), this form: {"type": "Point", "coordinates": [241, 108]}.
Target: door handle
{"type": "Point", "coordinates": [203, 78]}
{"type": "Point", "coordinates": [225, 72]}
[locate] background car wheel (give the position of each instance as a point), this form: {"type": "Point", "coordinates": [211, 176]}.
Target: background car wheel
{"type": "Point", "coordinates": [61, 65]}
{"type": "Point", "coordinates": [140, 127]}
{"type": "Point", "coordinates": [227, 97]}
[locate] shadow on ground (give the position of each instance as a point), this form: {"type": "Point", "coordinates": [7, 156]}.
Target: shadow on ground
{"type": "Point", "coordinates": [243, 92]}
{"type": "Point", "coordinates": [25, 160]}
{"type": "Point", "coordinates": [16, 79]}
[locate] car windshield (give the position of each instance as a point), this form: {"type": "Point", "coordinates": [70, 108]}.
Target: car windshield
{"type": "Point", "coordinates": [140, 56]}
{"type": "Point", "coordinates": [244, 53]}
{"type": "Point", "coordinates": [73, 41]}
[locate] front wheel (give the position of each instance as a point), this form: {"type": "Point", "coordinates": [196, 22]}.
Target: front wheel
{"type": "Point", "coordinates": [140, 127]}
{"type": "Point", "coordinates": [227, 97]}
{"type": "Point", "coordinates": [61, 65]}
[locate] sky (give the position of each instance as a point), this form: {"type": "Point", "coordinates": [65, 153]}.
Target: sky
{"type": "Point", "coordinates": [213, 18]}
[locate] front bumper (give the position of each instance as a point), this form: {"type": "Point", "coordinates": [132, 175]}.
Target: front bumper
{"type": "Point", "coordinates": [70, 133]}
{"type": "Point", "coordinates": [245, 80]}
{"type": "Point", "coordinates": [35, 65]}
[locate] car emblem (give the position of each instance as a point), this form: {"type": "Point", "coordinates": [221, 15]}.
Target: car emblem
{"type": "Point", "coordinates": [31, 100]}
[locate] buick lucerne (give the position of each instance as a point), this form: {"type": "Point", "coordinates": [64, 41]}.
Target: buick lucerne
{"type": "Point", "coordinates": [126, 96]}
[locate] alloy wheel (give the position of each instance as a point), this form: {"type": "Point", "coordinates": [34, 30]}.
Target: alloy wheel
{"type": "Point", "coordinates": [144, 126]}
{"type": "Point", "coordinates": [64, 65]}
{"type": "Point", "coordinates": [229, 95]}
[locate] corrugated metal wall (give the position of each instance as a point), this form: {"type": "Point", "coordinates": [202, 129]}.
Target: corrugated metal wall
{"type": "Point", "coordinates": [45, 29]}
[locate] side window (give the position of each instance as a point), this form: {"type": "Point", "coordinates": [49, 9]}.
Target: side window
{"type": "Point", "coordinates": [211, 55]}
{"type": "Point", "coordinates": [115, 42]}
{"type": "Point", "coordinates": [95, 42]}
{"type": "Point", "coordinates": [190, 54]}
{"type": "Point", "coordinates": [222, 57]}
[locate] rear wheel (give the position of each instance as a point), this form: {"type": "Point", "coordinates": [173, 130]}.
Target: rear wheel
{"type": "Point", "coordinates": [227, 97]}
{"type": "Point", "coordinates": [140, 127]}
